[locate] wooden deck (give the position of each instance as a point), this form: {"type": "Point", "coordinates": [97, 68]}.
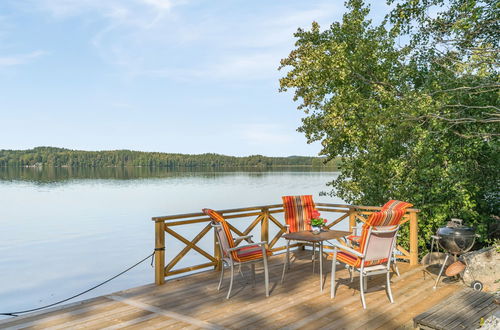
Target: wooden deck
{"type": "Point", "coordinates": [463, 310]}
{"type": "Point", "coordinates": [193, 302]}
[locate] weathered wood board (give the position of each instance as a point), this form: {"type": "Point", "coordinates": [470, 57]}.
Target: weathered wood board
{"type": "Point", "coordinates": [463, 310]}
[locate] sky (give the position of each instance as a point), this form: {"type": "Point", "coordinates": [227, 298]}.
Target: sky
{"type": "Point", "coordinates": [181, 76]}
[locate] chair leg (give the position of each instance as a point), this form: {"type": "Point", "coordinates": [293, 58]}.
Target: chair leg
{"type": "Point", "coordinates": [253, 274]}
{"type": "Point", "coordinates": [332, 275]}
{"type": "Point", "coordinates": [396, 270]}
{"type": "Point", "coordinates": [241, 273]}
{"type": "Point", "coordinates": [388, 288]}
{"type": "Point", "coordinates": [221, 277]}
{"type": "Point", "coordinates": [361, 288]}
{"type": "Point", "coordinates": [230, 283]}
{"type": "Point", "coordinates": [287, 261]}
{"type": "Point", "coordinates": [266, 271]}
{"type": "Point", "coordinates": [394, 263]}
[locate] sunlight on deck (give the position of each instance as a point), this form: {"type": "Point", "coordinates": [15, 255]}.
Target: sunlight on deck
{"type": "Point", "coordinates": [194, 302]}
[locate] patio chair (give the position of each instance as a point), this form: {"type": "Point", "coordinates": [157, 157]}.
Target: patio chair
{"type": "Point", "coordinates": [298, 211]}
{"type": "Point", "coordinates": [373, 255]}
{"type": "Point", "coordinates": [233, 255]}
{"type": "Point", "coordinates": [356, 233]}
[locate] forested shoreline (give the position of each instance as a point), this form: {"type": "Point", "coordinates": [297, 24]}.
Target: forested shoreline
{"type": "Point", "coordinates": [60, 157]}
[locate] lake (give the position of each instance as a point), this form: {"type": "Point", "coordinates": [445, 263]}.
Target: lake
{"type": "Point", "coordinates": [65, 230]}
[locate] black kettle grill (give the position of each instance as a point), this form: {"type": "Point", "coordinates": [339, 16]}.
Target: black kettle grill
{"type": "Point", "coordinates": [455, 239]}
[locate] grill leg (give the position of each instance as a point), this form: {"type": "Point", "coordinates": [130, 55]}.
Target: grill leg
{"type": "Point", "coordinates": [441, 271]}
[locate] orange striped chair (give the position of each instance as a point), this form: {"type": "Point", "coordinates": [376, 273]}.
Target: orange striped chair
{"type": "Point", "coordinates": [390, 205]}
{"type": "Point", "coordinates": [237, 255]}
{"type": "Point", "coordinates": [373, 254]}
{"type": "Point", "coordinates": [298, 212]}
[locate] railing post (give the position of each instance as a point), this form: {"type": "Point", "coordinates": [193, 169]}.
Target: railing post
{"type": "Point", "coordinates": [413, 239]}
{"type": "Point", "coordinates": [159, 252]}
{"type": "Point", "coordinates": [352, 219]}
{"type": "Point", "coordinates": [217, 254]}
{"type": "Point", "coordinates": [264, 227]}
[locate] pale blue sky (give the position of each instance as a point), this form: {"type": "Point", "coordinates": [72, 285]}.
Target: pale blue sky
{"type": "Point", "coordinates": [188, 76]}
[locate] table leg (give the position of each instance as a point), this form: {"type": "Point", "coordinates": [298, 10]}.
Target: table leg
{"type": "Point", "coordinates": [313, 257]}
{"type": "Point", "coordinates": [321, 266]}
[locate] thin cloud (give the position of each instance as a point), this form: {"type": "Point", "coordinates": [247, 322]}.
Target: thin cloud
{"type": "Point", "coordinates": [183, 40]}
{"type": "Point", "coordinates": [13, 60]}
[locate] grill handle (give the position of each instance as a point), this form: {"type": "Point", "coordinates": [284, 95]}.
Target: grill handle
{"type": "Point", "coordinates": [457, 221]}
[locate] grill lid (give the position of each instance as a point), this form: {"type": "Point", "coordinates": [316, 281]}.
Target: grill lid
{"type": "Point", "coordinates": [460, 231]}
{"type": "Point", "coordinates": [456, 229]}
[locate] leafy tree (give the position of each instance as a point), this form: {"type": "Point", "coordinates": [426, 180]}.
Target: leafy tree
{"type": "Point", "coordinates": [460, 43]}
{"type": "Point", "coordinates": [47, 156]}
{"type": "Point", "coordinates": [382, 108]}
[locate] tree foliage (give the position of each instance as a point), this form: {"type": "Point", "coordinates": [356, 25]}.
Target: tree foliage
{"type": "Point", "coordinates": [398, 116]}
{"type": "Point", "coordinates": [59, 157]}
{"type": "Point", "coordinates": [459, 43]}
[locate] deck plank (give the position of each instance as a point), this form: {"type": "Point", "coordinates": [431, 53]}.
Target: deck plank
{"type": "Point", "coordinates": [193, 302]}
{"type": "Point", "coordinates": [461, 310]}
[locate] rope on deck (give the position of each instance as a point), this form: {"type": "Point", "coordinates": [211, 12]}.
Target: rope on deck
{"type": "Point", "coordinates": [79, 294]}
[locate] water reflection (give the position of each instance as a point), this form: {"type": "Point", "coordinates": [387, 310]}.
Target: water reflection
{"type": "Point", "coordinates": [64, 230]}
{"type": "Point", "coordinates": [61, 174]}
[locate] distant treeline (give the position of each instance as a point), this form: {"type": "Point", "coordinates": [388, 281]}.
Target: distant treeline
{"type": "Point", "coordinates": [59, 157]}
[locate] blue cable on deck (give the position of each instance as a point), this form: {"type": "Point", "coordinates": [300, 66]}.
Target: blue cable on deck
{"type": "Point", "coordinates": [79, 294]}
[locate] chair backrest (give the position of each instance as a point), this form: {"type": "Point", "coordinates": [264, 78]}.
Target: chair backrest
{"type": "Point", "coordinates": [379, 244]}
{"type": "Point", "coordinates": [222, 230]}
{"type": "Point", "coordinates": [298, 211]}
{"type": "Point", "coordinates": [396, 205]}
{"type": "Point", "coordinates": [379, 232]}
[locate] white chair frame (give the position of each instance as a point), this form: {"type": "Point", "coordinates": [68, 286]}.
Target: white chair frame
{"type": "Point", "coordinates": [227, 259]}
{"type": "Point", "coordinates": [364, 272]}
{"type": "Point", "coordinates": [356, 231]}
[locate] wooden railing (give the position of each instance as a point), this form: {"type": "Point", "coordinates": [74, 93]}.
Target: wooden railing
{"type": "Point", "coordinates": [262, 217]}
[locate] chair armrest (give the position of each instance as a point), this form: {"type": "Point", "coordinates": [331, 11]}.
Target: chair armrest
{"type": "Point", "coordinates": [243, 237]}
{"type": "Point", "coordinates": [287, 228]}
{"type": "Point", "coordinates": [356, 230]}
{"type": "Point", "coordinates": [345, 248]}
{"type": "Point", "coordinates": [242, 246]}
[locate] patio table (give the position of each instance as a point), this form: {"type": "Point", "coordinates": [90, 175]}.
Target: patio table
{"type": "Point", "coordinates": [308, 236]}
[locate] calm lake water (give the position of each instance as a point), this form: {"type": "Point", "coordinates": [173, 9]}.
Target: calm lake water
{"type": "Point", "coordinates": [64, 231]}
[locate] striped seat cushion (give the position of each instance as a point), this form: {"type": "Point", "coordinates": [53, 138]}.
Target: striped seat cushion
{"type": "Point", "coordinates": [246, 253]}
{"type": "Point", "coordinates": [355, 261]}
{"type": "Point", "coordinates": [385, 218]}
{"type": "Point", "coordinates": [390, 215]}
{"type": "Point", "coordinates": [396, 205]}
{"type": "Point", "coordinates": [395, 211]}
{"type": "Point", "coordinates": [250, 252]}
{"type": "Point", "coordinates": [298, 211]}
